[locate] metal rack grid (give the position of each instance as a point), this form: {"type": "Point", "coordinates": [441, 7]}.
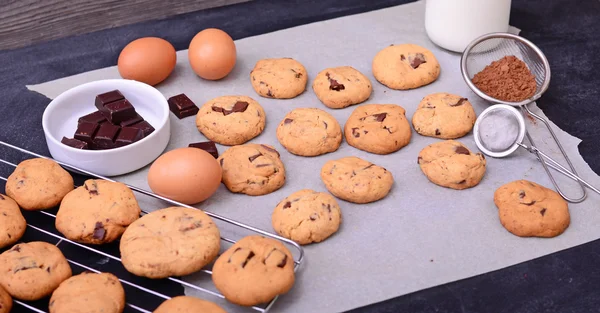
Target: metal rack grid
{"type": "Point", "coordinates": [61, 239]}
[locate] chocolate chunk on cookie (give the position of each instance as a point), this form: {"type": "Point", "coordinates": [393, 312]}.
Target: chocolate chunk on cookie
{"type": "Point", "coordinates": [97, 212]}
{"type": "Point", "coordinates": [101, 292]}
{"type": "Point", "coordinates": [254, 270]}
{"type": "Point", "coordinates": [451, 164]}
{"type": "Point", "coordinates": [378, 128]}
{"type": "Point", "coordinates": [12, 222]}
{"type": "Point", "coordinates": [252, 169]}
{"type": "Point", "coordinates": [307, 216]}
{"type": "Point", "coordinates": [38, 184]}
{"type": "Point", "coordinates": [340, 87]}
{"type": "Point", "coordinates": [31, 271]}
{"type": "Point", "coordinates": [187, 304]}
{"type": "Point", "coordinates": [356, 180]}
{"type": "Point", "coordinates": [405, 66]}
{"type": "Point", "coordinates": [175, 241]}
{"type": "Point", "coordinates": [527, 209]}
{"type": "Point", "coordinates": [444, 115]}
{"type": "Point", "coordinates": [309, 132]}
{"type": "Point", "coordinates": [279, 78]}
{"type": "Point", "coordinates": [6, 301]}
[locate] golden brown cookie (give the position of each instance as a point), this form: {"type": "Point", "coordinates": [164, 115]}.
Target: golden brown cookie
{"type": "Point", "coordinates": [252, 169]}
{"type": "Point", "coordinates": [231, 120]}
{"type": "Point", "coordinates": [378, 128]}
{"type": "Point", "coordinates": [254, 270]}
{"type": "Point", "coordinates": [340, 87]}
{"type": "Point", "coordinates": [356, 180]}
{"type": "Point", "coordinates": [187, 304]}
{"type": "Point", "coordinates": [281, 78]}
{"type": "Point", "coordinates": [309, 132]}
{"type": "Point", "coordinates": [12, 222]}
{"type": "Point", "coordinates": [444, 115]}
{"type": "Point", "coordinates": [96, 292]}
{"type": "Point", "coordinates": [31, 271]}
{"type": "Point", "coordinates": [307, 216]}
{"type": "Point", "coordinates": [405, 66]}
{"type": "Point", "coordinates": [175, 241]}
{"type": "Point", "coordinates": [527, 209]}
{"type": "Point", "coordinates": [6, 302]}
{"type": "Point", "coordinates": [38, 184]}
{"type": "Point", "coordinates": [451, 164]}
{"type": "Point", "coordinates": [97, 212]}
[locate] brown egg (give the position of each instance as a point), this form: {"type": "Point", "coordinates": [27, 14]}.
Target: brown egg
{"type": "Point", "coordinates": [149, 60]}
{"type": "Point", "coordinates": [187, 175]}
{"type": "Point", "coordinates": [212, 54]}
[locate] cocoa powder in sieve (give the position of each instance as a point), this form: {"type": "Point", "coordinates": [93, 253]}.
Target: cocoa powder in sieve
{"type": "Point", "coordinates": [507, 79]}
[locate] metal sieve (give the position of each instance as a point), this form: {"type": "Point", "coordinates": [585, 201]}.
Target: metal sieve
{"type": "Point", "coordinates": [491, 47]}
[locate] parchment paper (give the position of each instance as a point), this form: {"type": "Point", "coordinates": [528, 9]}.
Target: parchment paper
{"type": "Point", "coordinates": [420, 235]}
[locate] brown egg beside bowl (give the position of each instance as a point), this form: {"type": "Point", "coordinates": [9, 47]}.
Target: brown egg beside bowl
{"type": "Point", "coordinates": [212, 54]}
{"type": "Point", "coordinates": [148, 60]}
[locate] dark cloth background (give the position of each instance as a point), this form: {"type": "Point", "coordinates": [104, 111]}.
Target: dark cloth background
{"type": "Point", "coordinates": [567, 31]}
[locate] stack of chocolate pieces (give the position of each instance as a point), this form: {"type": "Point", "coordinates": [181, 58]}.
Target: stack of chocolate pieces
{"type": "Point", "coordinates": [115, 124]}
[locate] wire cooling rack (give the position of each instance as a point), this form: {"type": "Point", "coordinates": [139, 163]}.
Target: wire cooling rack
{"type": "Point", "coordinates": [93, 259]}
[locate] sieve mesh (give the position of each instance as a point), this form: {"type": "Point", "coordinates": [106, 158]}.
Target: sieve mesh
{"type": "Point", "coordinates": [499, 130]}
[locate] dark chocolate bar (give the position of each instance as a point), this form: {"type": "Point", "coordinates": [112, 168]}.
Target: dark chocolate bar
{"type": "Point", "coordinates": [182, 106]}
{"type": "Point", "coordinates": [128, 135]}
{"type": "Point", "coordinates": [86, 131]}
{"type": "Point", "coordinates": [118, 111]}
{"type": "Point", "coordinates": [145, 127]}
{"type": "Point", "coordinates": [108, 97]}
{"type": "Point", "coordinates": [105, 136]}
{"type": "Point", "coordinates": [96, 117]}
{"type": "Point", "coordinates": [77, 144]}
{"type": "Point", "coordinates": [136, 119]}
{"type": "Point", "coordinates": [207, 146]}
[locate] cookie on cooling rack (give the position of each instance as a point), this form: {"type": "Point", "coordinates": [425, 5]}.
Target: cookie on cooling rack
{"type": "Point", "coordinates": [31, 271]}
{"type": "Point", "coordinates": [12, 222]}
{"type": "Point", "coordinates": [38, 184]}
{"type": "Point", "coordinates": [254, 270]}
{"type": "Point", "coordinates": [101, 292]}
{"type": "Point", "coordinates": [97, 212]}
{"type": "Point", "coordinates": [6, 302]}
{"type": "Point", "coordinates": [187, 304]}
{"type": "Point", "coordinates": [175, 241]}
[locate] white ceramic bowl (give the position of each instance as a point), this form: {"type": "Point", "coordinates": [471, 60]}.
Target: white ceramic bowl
{"type": "Point", "coordinates": [61, 115]}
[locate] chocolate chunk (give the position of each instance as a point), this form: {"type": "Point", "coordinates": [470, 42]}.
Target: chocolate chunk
{"type": "Point", "coordinates": [108, 97]}
{"type": "Point", "coordinates": [182, 106]}
{"type": "Point", "coordinates": [325, 125]}
{"type": "Point", "coordinates": [16, 248]}
{"type": "Point", "coordinates": [402, 57]}
{"type": "Point", "coordinates": [283, 261]}
{"type": "Point", "coordinates": [380, 117]}
{"type": "Point", "coordinates": [146, 128]}
{"type": "Point", "coordinates": [462, 182]}
{"type": "Point", "coordinates": [136, 119]}
{"type": "Point", "coordinates": [92, 188]}
{"type": "Point", "coordinates": [77, 144]}
{"type": "Point", "coordinates": [369, 166]}
{"type": "Point", "coordinates": [530, 203]}
{"type": "Point", "coordinates": [429, 106]}
{"type": "Point", "coordinates": [287, 121]}
{"type": "Point", "coordinates": [105, 136]}
{"type": "Point", "coordinates": [437, 132]}
{"type": "Point", "coordinates": [221, 162]}
{"type": "Point", "coordinates": [314, 217]}
{"type": "Point", "coordinates": [239, 106]}
{"type": "Point", "coordinates": [388, 129]}
{"type": "Point", "coordinates": [334, 85]}
{"type": "Point", "coordinates": [522, 194]}
{"type": "Point", "coordinates": [118, 111]}
{"type": "Point", "coordinates": [269, 94]}
{"type": "Point", "coordinates": [263, 165]}
{"type": "Point", "coordinates": [95, 117]}
{"type": "Point", "coordinates": [287, 205]}
{"type": "Point", "coordinates": [459, 102]}
{"type": "Point", "coordinates": [270, 149]}
{"type": "Point", "coordinates": [355, 132]}
{"type": "Point", "coordinates": [419, 160]}
{"type": "Point", "coordinates": [253, 157]}
{"type": "Point", "coordinates": [416, 60]}
{"type": "Point", "coordinates": [220, 110]}
{"type": "Point", "coordinates": [128, 135]}
{"type": "Point", "coordinates": [462, 150]}
{"type": "Point", "coordinates": [250, 256]}
{"type": "Point", "coordinates": [99, 231]}
{"type": "Point", "coordinates": [86, 131]}
{"type": "Point", "coordinates": [48, 269]}
{"type": "Point", "coordinates": [207, 146]}
{"type": "Point", "coordinates": [543, 211]}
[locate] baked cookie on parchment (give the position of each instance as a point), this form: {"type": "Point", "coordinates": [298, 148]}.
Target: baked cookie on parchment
{"type": "Point", "coordinates": [6, 301]}
{"type": "Point", "coordinates": [12, 222]}
{"type": "Point", "coordinates": [279, 78]}
{"type": "Point", "coordinates": [187, 304]}
{"type": "Point", "coordinates": [98, 292]}
{"type": "Point", "coordinates": [340, 87]}
{"type": "Point", "coordinates": [309, 132]}
{"type": "Point", "coordinates": [443, 115]}
{"type": "Point", "coordinates": [405, 66]}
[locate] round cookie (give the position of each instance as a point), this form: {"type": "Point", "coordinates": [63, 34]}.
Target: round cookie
{"type": "Point", "coordinates": [12, 222]}
{"type": "Point", "coordinates": [309, 132]}
{"type": "Point", "coordinates": [527, 209]}
{"type": "Point", "coordinates": [187, 304]}
{"type": "Point", "coordinates": [444, 115]}
{"type": "Point", "coordinates": [31, 271]}
{"type": "Point", "coordinates": [451, 164]}
{"type": "Point", "coordinates": [252, 169]}
{"type": "Point", "coordinates": [6, 302]}
{"type": "Point", "coordinates": [307, 216]}
{"type": "Point", "coordinates": [175, 241]}
{"type": "Point", "coordinates": [378, 128]}
{"type": "Point", "coordinates": [97, 212]}
{"type": "Point", "coordinates": [405, 66]}
{"type": "Point", "coordinates": [38, 184]}
{"type": "Point", "coordinates": [254, 270]}
{"type": "Point", "coordinates": [231, 120]}
{"type": "Point", "coordinates": [97, 292]}
{"type": "Point", "coordinates": [356, 180]}
{"type": "Point", "coordinates": [282, 78]}
{"type": "Point", "coordinates": [340, 87]}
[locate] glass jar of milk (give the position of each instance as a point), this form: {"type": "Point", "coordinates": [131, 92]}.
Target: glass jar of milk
{"type": "Point", "coordinates": [453, 24]}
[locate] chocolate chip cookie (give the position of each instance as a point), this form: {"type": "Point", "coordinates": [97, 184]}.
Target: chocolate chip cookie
{"type": "Point", "coordinates": [307, 216]}
{"type": "Point", "coordinates": [97, 212]}
{"type": "Point", "coordinates": [98, 292]}
{"type": "Point", "coordinates": [340, 87]}
{"type": "Point", "coordinates": [254, 270]}
{"type": "Point", "coordinates": [187, 304]}
{"type": "Point", "coordinates": [252, 169]}
{"type": "Point", "coordinates": [451, 164]}
{"type": "Point", "coordinates": [281, 78]}
{"type": "Point", "coordinates": [175, 241]}
{"type": "Point", "coordinates": [6, 302]}
{"type": "Point", "coordinates": [309, 132]}
{"type": "Point", "coordinates": [356, 180]}
{"type": "Point", "coordinates": [378, 128]}
{"type": "Point", "coordinates": [444, 115]}
{"type": "Point", "coordinates": [38, 184]}
{"type": "Point", "coordinates": [527, 209]}
{"type": "Point", "coordinates": [31, 271]}
{"type": "Point", "coordinates": [12, 222]}
{"type": "Point", "coordinates": [231, 120]}
{"type": "Point", "coordinates": [405, 66]}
